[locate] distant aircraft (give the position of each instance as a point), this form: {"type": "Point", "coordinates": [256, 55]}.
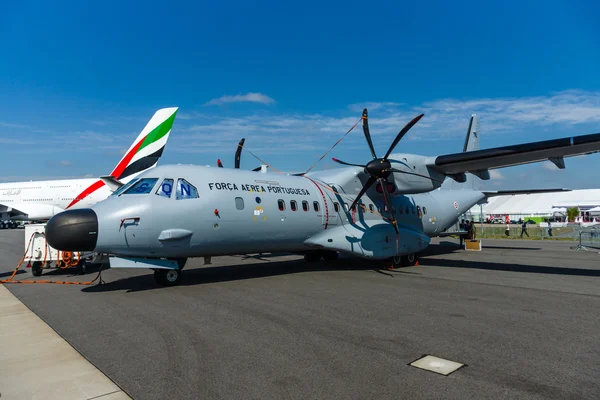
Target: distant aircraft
{"type": "Point", "coordinates": [40, 200]}
{"type": "Point", "coordinates": [388, 209]}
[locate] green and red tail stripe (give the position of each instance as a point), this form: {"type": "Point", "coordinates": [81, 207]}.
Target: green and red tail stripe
{"type": "Point", "coordinates": [144, 153]}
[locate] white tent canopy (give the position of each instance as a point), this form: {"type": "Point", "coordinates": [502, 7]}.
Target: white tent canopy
{"type": "Point", "coordinates": [543, 203]}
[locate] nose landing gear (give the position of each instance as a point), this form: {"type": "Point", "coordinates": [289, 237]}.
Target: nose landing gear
{"type": "Point", "coordinates": [170, 277]}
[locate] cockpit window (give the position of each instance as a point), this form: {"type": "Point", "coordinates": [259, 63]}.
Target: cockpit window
{"type": "Point", "coordinates": [143, 186]}
{"type": "Point", "coordinates": [166, 188]}
{"type": "Point", "coordinates": [185, 190]}
{"type": "Point", "coordinates": [124, 187]}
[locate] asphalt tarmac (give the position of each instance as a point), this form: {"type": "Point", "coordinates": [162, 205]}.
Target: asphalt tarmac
{"type": "Point", "coordinates": [522, 315]}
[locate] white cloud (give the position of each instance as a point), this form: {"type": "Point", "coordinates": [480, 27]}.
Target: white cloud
{"type": "Point", "coordinates": [496, 175]}
{"type": "Point", "coordinates": [65, 163]}
{"type": "Point", "coordinates": [247, 98]}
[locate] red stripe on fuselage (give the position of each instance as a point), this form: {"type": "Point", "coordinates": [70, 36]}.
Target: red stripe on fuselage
{"type": "Point", "coordinates": [88, 191]}
{"type": "Point", "coordinates": [324, 201]}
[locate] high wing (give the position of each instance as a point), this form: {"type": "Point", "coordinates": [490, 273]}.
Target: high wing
{"type": "Point", "coordinates": [507, 156]}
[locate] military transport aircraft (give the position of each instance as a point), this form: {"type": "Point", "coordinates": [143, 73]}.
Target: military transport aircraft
{"type": "Point", "coordinates": [387, 209]}
{"type": "Point", "coordinates": [40, 200]}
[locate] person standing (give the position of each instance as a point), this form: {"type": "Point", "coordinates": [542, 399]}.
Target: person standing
{"type": "Point", "coordinates": [507, 231]}
{"type": "Point", "coordinates": [549, 229]}
{"type": "Point", "coordinates": [524, 229]}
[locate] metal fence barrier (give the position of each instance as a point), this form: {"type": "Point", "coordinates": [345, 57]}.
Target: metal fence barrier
{"type": "Point", "coordinates": [589, 238]}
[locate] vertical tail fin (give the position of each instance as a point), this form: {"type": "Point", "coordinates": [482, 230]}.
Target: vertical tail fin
{"type": "Point", "coordinates": [148, 147]}
{"type": "Point", "coordinates": [471, 144]}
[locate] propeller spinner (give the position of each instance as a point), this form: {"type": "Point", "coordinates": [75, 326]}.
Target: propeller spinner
{"type": "Point", "coordinates": [379, 169]}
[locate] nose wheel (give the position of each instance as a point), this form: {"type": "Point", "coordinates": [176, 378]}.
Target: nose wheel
{"type": "Point", "coordinates": [167, 277]}
{"type": "Point", "coordinates": [170, 277]}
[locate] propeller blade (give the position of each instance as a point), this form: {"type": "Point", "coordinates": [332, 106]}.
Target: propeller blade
{"type": "Point", "coordinates": [369, 183]}
{"type": "Point", "coordinates": [401, 135]}
{"type": "Point", "coordinates": [365, 124]}
{"type": "Point", "coordinates": [388, 202]}
{"type": "Point", "coordinates": [413, 173]}
{"type": "Point", "coordinates": [219, 163]}
{"type": "Point", "coordinates": [238, 152]}
{"type": "Point", "coordinates": [345, 163]}
{"type": "Point", "coordinates": [256, 169]}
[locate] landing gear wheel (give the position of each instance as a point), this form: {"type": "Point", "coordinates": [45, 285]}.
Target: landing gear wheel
{"type": "Point", "coordinates": [2, 225]}
{"type": "Point", "coordinates": [409, 260]}
{"type": "Point", "coordinates": [312, 257]}
{"type": "Point", "coordinates": [81, 267]}
{"type": "Point", "coordinates": [167, 277]}
{"type": "Point", "coordinates": [397, 262]}
{"type": "Point", "coordinates": [36, 268]}
{"type": "Point", "coordinates": [330, 255]}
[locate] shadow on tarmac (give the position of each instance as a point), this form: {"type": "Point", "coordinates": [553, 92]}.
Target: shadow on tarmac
{"type": "Point", "coordinates": [206, 275]}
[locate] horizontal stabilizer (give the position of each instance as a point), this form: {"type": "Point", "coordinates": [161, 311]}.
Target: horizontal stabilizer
{"type": "Point", "coordinates": [494, 193]}
{"type": "Point", "coordinates": [500, 157]}
{"type": "Point", "coordinates": [111, 182]}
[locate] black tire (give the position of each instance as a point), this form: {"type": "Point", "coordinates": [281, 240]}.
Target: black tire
{"type": "Point", "coordinates": [13, 226]}
{"type": "Point", "coordinates": [409, 260]}
{"type": "Point", "coordinates": [167, 277]}
{"type": "Point", "coordinates": [312, 257]}
{"type": "Point", "coordinates": [81, 267]}
{"type": "Point", "coordinates": [330, 255]}
{"type": "Point", "coordinates": [397, 261]}
{"type": "Point", "coordinates": [2, 225]}
{"type": "Point", "coordinates": [36, 268]}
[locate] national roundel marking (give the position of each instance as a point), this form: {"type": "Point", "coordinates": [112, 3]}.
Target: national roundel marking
{"type": "Point", "coordinates": [456, 205]}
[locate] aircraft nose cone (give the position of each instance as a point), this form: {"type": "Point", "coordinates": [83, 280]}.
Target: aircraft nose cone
{"type": "Point", "coordinates": [73, 230]}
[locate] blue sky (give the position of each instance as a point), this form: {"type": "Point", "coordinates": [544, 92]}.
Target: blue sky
{"type": "Point", "coordinates": [78, 81]}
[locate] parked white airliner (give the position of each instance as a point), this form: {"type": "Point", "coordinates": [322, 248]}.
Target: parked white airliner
{"type": "Point", "coordinates": [40, 200]}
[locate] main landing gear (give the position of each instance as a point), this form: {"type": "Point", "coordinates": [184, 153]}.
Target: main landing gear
{"type": "Point", "coordinates": [408, 260]}
{"type": "Point", "coordinates": [170, 277]}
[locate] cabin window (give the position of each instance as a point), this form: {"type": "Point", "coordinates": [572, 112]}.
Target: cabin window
{"type": "Point", "coordinates": [316, 206]}
{"type": "Point", "coordinates": [424, 210]}
{"type": "Point", "coordinates": [166, 188]}
{"type": "Point", "coordinates": [371, 208]}
{"type": "Point", "coordinates": [258, 200]}
{"type": "Point", "coordinates": [122, 188]}
{"type": "Point", "coordinates": [293, 205]}
{"type": "Point", "coordinates": [305, 206]}
{"type": "Point", "coordinates": [281, 205]}
{"type": "Point", "coordinates": [143, 186]}
{"type": "Point", "coordinates": [336, 207]}
{"type": "Point", "coordinates": [185, 190]}
{"type": "Point", "coordinates": [239, 203]}
{"type": "Point", "coordinates": [407, 210]}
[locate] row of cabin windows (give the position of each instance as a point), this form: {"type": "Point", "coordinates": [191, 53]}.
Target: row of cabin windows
{"type": "Point", "coordinates": [239, 204]}
{"type": "Point", "coordinates": [294, 205]}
